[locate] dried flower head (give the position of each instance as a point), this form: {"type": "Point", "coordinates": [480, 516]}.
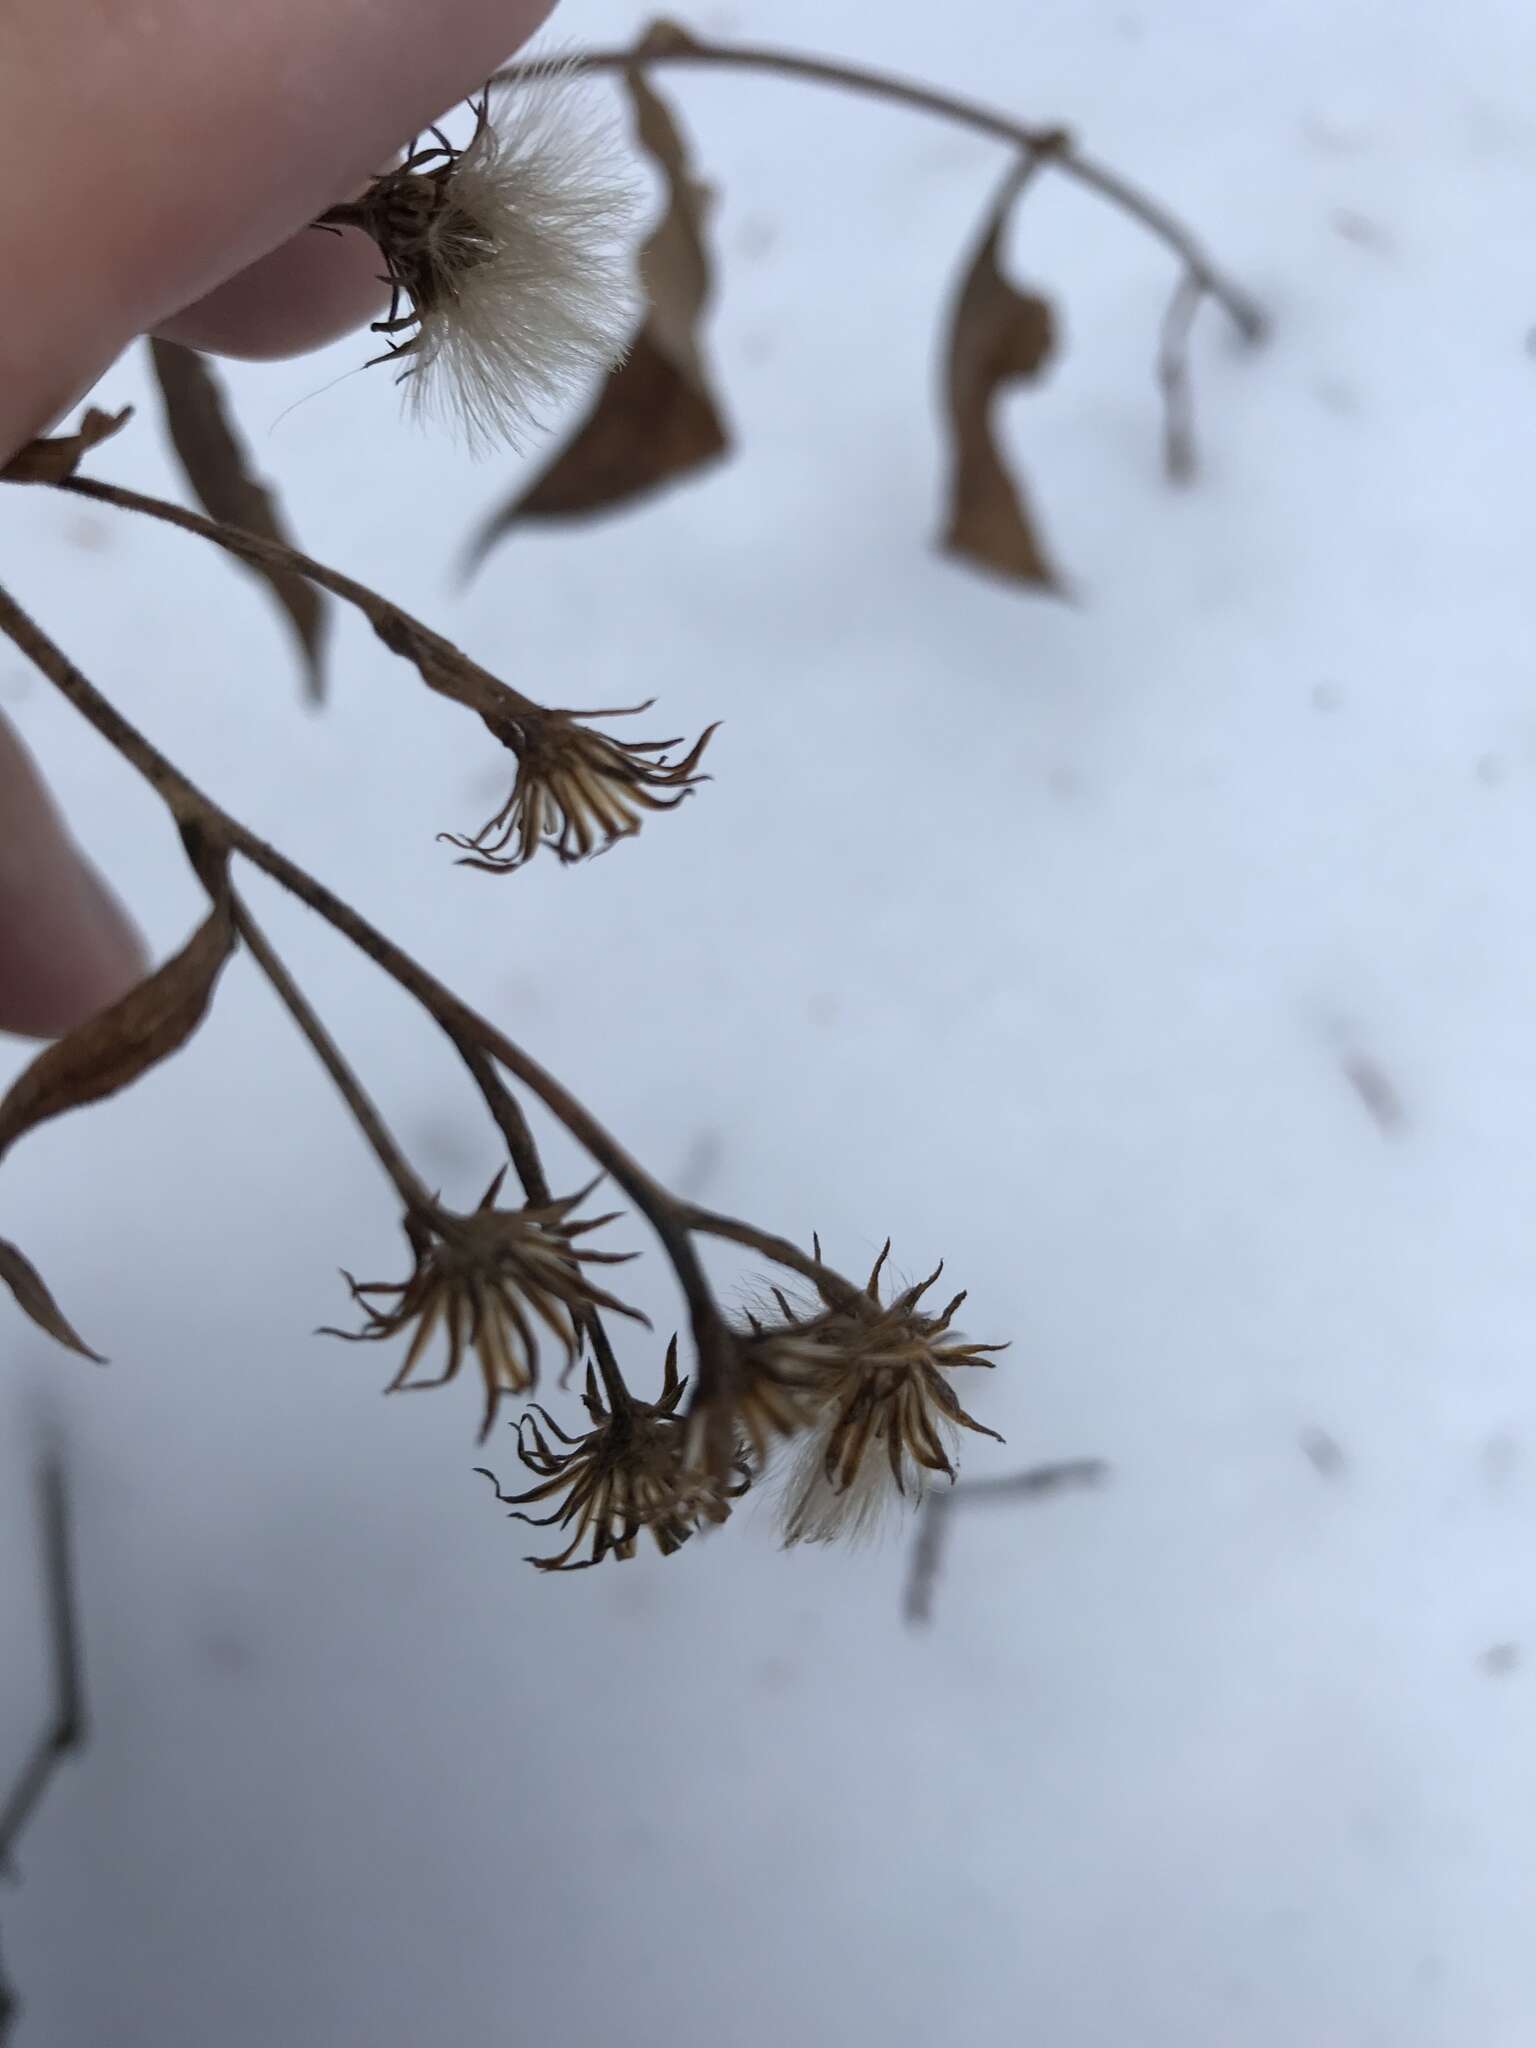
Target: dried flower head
{"type": "Point", "coordinates": [488, 1280]}
{"type": "Point", "coordinates": [779, 1388]}
{"type": "Point", "coordinates": [885, 1414]}
{"type": "Point", "coordinates": [511, 255]}
{"type": "Point", "coordinates": [629, 1472]}
{"type": "Point", "coordinates": [577, 790]}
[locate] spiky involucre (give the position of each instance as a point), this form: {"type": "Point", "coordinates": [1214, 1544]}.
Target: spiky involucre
{"type": "Point", "coordinates": [549, 302]}
{"type": "Point", "coordinates": [886, 1416]}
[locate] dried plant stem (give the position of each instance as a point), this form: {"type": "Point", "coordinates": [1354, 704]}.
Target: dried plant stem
{"type": "Point", "coordinates": [66, 1730]}
{"type": "Point", "coordinates": [1173, 376]}
{"type": "Point", "coordinates": [665, 1214]}
{"type": "Point", "coordinates": [779, 1249]}
{"type": "Point", "coordinates": [1051, 145]}
{"type": "Point", "coordinates": [364, 1112]}
{"type": "Point", "coordinates": [449, 670]}
{"type": "Point", "coordinates": [507, 1112]}
{"type": "Point", "coordinates": [1038, 1483]}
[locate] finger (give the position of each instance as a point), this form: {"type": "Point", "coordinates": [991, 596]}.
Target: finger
{"type": "Point", "coordinates": [67, 948]}
{"type": "Point", "coordinates": [161, 149]}
{"type": "Point", "coordinates": [308, 291]}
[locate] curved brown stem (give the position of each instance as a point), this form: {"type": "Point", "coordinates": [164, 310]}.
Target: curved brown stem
{"type": "Point", "coordinates": [780, 1249]}
{"type": "Point", "coordinates": [442, 666]}
{"type": "Point", "coordinates": [1173, 376]}
{"type": "Point", "coordinates": [1050, 144]}
{"type": "Point", "coordinates": [364, 1112]}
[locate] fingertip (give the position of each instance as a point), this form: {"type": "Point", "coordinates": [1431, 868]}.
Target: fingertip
{"type": "Point", "coordinates": [311, 289]}
{"type": "Point", "coordinates": [68, 948]}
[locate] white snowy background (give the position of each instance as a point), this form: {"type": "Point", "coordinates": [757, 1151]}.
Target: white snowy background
{"type": "Point", "coordinates": [1046, 937]}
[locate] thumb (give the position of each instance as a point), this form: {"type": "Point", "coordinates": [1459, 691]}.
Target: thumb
{"type": "Point", "coordinates": [151, 153]}
{"type": "Point", "coordinates": [66, 946]}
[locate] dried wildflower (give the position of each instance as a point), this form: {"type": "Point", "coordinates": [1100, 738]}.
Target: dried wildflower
{"type": "Point", "coordinates": [488, 1279]}
{"type": "Point", "coordinates": [885, 1413]}
{"type": "Point", "coordinates": [512, 255]}
{"type": "Point", "coordinates": [627, 1473]}
{"type": "Point", "coordinates": [779, 1388]}
{"type": "Point", "coordinates": [577, 790]}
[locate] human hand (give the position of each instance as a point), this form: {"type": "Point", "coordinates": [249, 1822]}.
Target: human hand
{"type": "Point", "coordinates": [160, 163]}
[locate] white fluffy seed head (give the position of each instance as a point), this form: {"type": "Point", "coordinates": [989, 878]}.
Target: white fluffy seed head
{"type": "Point", "coordinates": [552, 302]}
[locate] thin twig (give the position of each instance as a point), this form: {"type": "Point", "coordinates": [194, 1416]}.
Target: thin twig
{"type": "Point", "coordinates": [927, 1554]}
{"type": "Point", "coordinates": [442, 666]}
{"type": "Point", "coordinates": [67, 1729]}
{"type": "Point", "coordinates": [779, 1249]}
{"type": "Point", "coordinates": [507, 1112]}
{"type": "Point", "coordinates": [1173, 376]}
{"type": "Point", "coordinates": [934, 1519]}
{"type": "Point", "coordinates": [1070, 1473]}
{"type": "Point", "coordinates": [1049, 143]}
{"type": "Point", "coordinates": [364, 1111]}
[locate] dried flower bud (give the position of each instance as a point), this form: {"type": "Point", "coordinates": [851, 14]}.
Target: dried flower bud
{"type": "Point", "coordinates": [885, 1414]}
{"type": "Point", "coordinates": [627, 1473]}
{"type": "Point", "coordinates": [512, 255]}
{"type": "Point", "coordinates": [487, 1280]}
{"type": "Point", "coordinates": [577, 790]}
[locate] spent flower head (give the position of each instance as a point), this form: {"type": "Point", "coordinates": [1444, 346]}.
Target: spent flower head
{"type": "Point", "coordinates": [576, 790]}
{"type": "Point", "coordinates": [488, 1280]}
{"type": "Point", "coordinates": [871, 1378]}
{"type": "Point", "coordinates": [630, 1472]}
{"type": "Point", "coordinates": [510, 256]}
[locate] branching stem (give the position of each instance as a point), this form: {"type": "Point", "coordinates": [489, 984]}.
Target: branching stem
{"type": "Point", "coordinates": [666, 1215]}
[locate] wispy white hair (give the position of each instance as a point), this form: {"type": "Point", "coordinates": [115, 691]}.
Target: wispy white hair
{"type": "Point", "coordinates": [551, 302]}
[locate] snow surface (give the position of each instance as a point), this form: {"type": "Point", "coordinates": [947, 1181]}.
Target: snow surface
{"type": "Point", "coordinates": [1066, 941]}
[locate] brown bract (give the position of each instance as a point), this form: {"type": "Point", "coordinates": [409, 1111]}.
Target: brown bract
{"type": "Point", "coordinates": [885, 1413]}
{"type": "Point", "coordinates": [426, 235]}
{"type": "Point", "coordinates": [630, 1472]}
{"type": "Point", "coordinates": [487, 1281]}
{"type": "Point", "coordinates": [577, 791]}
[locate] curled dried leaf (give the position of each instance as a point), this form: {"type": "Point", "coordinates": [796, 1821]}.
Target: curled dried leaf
{"type": "Point", "coordinates": [216, 463]}
{"type": "Point", "coordinates": [34, 1299]}
{"type": "Point", "coordinates": [113, 1048]}
{"type": "Point", "coordinates": [656, 419]}
{"type": "Point", "coordinates": [55, 458]}
{"type": "Point", "coordinates": [998, 336]}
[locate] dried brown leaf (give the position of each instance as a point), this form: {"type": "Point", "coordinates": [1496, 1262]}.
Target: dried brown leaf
{"type": "Point", "coordinates": [34, 1299]}
{"type": "Point", "coordinates": [216, 463]}
{"type": "Point", "coordinates": [52, 460]}
{"type": "Point", "coordinates": [998, 336]}
{"type": "Point", "coordinates": [656, 419]}
{"type": "Point", "coordinates": [115, 1047]}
